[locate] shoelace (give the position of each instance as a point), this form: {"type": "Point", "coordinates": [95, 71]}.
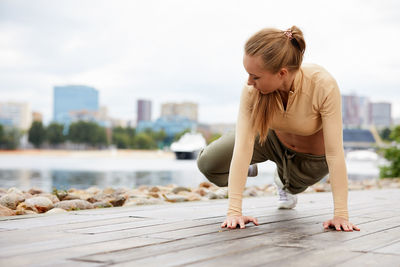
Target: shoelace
{"type": "Point", "coordinates": [282, 195]}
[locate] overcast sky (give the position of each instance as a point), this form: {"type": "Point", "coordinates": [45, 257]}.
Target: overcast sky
{"type": "Point", "coordinates": [186, 50]}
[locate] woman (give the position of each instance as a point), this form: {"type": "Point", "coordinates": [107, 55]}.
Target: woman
{"type": "Point", "coordinates": [289, 113]}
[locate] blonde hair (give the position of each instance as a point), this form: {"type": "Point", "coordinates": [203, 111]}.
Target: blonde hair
{"type": "Point", "coordinates": [277, 49]}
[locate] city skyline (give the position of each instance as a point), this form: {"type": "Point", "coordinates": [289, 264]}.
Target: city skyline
{"type": "Point", "coordinates": [166, 51]}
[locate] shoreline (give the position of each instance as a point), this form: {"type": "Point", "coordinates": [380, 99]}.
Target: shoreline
{"type": "Point", "coordinates": [131, 153]}
{"type": "Point", "coordinates": [14, 201]}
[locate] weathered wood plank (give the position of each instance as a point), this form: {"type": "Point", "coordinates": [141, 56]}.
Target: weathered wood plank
{"type": "Point", "coordinates": [372, 259]}
{"type": "Point", "coordinates": [187, 232]}
{"type": "Point", "coordinates": [393, 248]}
{"type": "Point", "coordinates": [303, 228]}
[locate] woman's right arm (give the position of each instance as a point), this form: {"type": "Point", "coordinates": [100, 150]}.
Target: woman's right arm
{"type": "Point", "coordinates": [242, 154]}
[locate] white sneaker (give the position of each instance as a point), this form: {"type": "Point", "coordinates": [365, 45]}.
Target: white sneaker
{"type": "Point", "coordinates": [286, 200]}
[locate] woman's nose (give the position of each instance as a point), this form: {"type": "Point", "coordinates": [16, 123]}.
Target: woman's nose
{"type": "Point", "coordinates": [250, 81]}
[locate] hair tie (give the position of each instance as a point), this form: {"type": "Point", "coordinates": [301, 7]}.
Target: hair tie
{"type": "Point", "coordinates": [288, 34]}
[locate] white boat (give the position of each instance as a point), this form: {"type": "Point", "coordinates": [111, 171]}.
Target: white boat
{"type": "Point", "coordinates": [188, 146]}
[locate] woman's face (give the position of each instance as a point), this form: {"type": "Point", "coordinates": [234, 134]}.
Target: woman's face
{"type": "Point", "coordinates": [261, 79]}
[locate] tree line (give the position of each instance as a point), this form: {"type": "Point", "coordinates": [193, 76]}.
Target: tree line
{"type": "Point", "coordinates": [89, 135]}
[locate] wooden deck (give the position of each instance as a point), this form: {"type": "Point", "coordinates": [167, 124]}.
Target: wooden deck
{"type": "Point", "coordinates": [189, 234]}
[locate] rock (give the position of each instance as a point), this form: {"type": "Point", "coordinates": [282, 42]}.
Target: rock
{"type": "Point", "coordinates": [52, 197]}
{"type": "Point", "coordinates": [35, 191]}
{"type": "Point", "coordinates": [211, 195]}
{"type": "Point", "coordinates": [175, 198]}
{"type": "Point", "coordinates": [222, 192]}
{"type": "Point", "coordinates": [93, 190]}
{"type": "Point", "coordinates": [121, 190]}
{"type": "Point", "coordinates": [154, 189]}
{"type": "Point", "coordinates": [142, 201]}
{"type": "Point", "coordinates": [60, 194]}
{"type": "Point", "coordinates": [71, 196]}
{"type": "Point", "coordinates": [201, 191]}
{"type": "Point", "coordinates": [108, 190]}
{"type": "Point", "coordinates": [206, 184]}
{"type": "Point", "coordinates": [56, 211]}
{"type": "Point", "coordinates": [4, 211]}
{"type": "Point", "coordinates": [193, 197]}
{"type": "Point", "coordinates": [27, 195]}
{"type": "Point", "coordinates": [11, 200]}
{"type": "Point", "coordinates": [142, 188]}
{"type": "Point", "coordinates": [3, 190]}
{"type": "Point", "coordinates": [23, 211]}
{"type": "Point", "coordinates": [102, 204]}
{"type": "Point", "coordinates": [39, 204]}
{"type": "Point", "coordinates": [118, 201]}
{"type": "Point", "coordinates": [75, 204]}
{"type": "Point", "coordinates": [178, 189]}
{"type": "Point", "coordinates": [14, 190]}
{"type": "Point", "coordinates": [22, 208]}
{"type": "Point", "coordinates": [153, 194]}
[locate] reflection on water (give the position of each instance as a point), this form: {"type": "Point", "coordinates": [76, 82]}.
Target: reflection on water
{"type": "Point", "coordinates": [47, 172]}
{"type": "Point", "coordinates": [62, 179]}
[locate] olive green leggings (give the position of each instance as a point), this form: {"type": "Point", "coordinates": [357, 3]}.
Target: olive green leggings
{"type": "Point", "coordinates": [296, 170]}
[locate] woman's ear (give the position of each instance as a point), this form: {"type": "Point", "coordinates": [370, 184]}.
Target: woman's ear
{"type": "Point", "coordinates": [283, 72]}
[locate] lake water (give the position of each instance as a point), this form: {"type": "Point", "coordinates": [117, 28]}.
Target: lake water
{"type": "Point", "coordinates": [83, 171]}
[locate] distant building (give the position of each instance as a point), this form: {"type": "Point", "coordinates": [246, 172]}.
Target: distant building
{"type": "Point", "coordinates": [381, 114]}
{"type": "Point", "coordinates": [359, 112]}
{"type": "Point", "coordinates": [185, 109]}
{"type": "Point", "coordinates": [74, 100]}
{"type": "Point", "coordinates": [16, 114]}
{"type": "Point", "coordinates": [37, 116]}
{"type": "Point", "coordinates": [170, 124]}
{"type": "Point", "coordinates": [355, 111]}
{"type": "Point", "coordinates": [143, 110]}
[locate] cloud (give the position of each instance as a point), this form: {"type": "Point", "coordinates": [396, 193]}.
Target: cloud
{"type": "Point", "coordinates": [185, 50]}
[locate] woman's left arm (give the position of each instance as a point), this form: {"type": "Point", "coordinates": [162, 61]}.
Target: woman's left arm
{"type": "Point", "coordinates": [331, 115]}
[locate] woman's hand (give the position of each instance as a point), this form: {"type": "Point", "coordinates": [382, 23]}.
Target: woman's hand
{"type": "Point", "coordinates": [233, 221]}
{"type": "Point", "coordinates": [338, 223]}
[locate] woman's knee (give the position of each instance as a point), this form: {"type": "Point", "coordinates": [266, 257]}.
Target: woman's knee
{"type": "Point", "coordinates": [207, 168]}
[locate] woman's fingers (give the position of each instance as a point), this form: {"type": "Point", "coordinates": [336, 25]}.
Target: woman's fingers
{"type": "Point", "coordinates": [251, 219]}
{"type": "Point", "coordinates": [223, 225]}
{"type": "Point", "coordinates": [354, 227]}
{"type": "Point", "coordinates": [233, 223]}
{"type": "Point", "coordinates": [241, 221]}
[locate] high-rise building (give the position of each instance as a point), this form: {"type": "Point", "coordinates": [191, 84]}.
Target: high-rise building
{"type": "Point", "coordinates": [185, 109]}
{"type": "Point", "coordinates": [72, 99]}
{"type": "Point", "coordinates": [15, 114]}
{"type": "Point", "coordinates": [355, 111]}
{"type": "Point", "coordinates": [381, 114]}
{"type": "Point", "coordinates": [143, 110]}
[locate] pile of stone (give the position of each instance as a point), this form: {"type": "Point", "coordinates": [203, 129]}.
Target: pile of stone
{"type": "Point", "coordinates": [17, 202]}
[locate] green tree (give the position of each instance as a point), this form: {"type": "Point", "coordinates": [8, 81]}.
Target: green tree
{"type": "Point", "coordinates": [385, 134]}
{"type": "Point", "coordinates": [54, 133]}
{"type": "Point", "coordinates": [392, 154]}
{"type": "Point", "coordinates": [89, 133]}
{"type": "Point", "coordinates": [121, 137]}
{"type": "Point", "coordinates": [9, 138]}
{"type": "Point", "coordinates": [144, 141]}
{"type": "Point", "coordinates": [37, 134]}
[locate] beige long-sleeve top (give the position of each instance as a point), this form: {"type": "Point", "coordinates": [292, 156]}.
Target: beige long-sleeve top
{"type": "Point", "coordinates": [314, 104]}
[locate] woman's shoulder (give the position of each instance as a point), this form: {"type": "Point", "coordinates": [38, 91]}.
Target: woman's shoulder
{"type": "Point", "coordinates": [318, 82]}
{"type": "Point", "coordinates": [315, 72]}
